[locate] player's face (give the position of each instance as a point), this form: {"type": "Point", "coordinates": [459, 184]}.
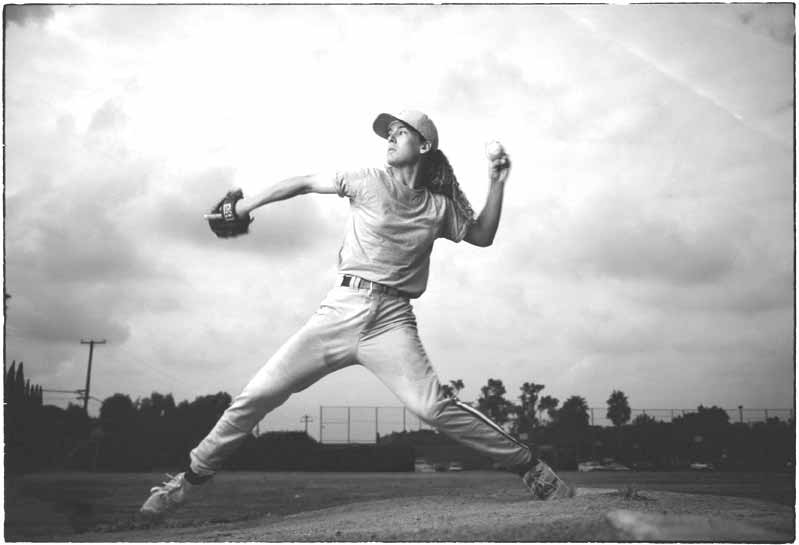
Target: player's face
{"type": "Point", "coordinates": [405, 145]}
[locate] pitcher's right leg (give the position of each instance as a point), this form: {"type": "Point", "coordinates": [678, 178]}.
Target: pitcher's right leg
{"type": "Point", "coordinates": [296, 365]}
{"type": "Point", "coordinates": [326, 343]}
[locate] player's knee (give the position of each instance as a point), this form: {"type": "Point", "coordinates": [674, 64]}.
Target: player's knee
{"type": "Point", "coordinates": [262, 399]}
{"type": "Point", "coordinates": [428, 413]}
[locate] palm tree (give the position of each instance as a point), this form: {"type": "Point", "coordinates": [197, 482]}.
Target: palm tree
{"type": "Point", "coordinates": [453, 388]}
{"type": "Point", "coordinates": [618, 408]}
{"type": "Point", "coordinates": [549, 404]}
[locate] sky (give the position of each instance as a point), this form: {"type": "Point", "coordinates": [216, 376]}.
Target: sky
{"type": "Point", "coordinates": [647, 237]}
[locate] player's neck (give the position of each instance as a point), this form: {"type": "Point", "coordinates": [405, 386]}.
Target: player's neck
{"type": "Point", "coordinates": [408, 175]}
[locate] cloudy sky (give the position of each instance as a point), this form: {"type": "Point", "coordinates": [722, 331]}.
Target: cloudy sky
{"type": "Point", "coordinates": [646, 242]}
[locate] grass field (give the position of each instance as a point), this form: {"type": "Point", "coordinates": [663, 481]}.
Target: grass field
{"type": "Point", "coordinates": [103, 506]}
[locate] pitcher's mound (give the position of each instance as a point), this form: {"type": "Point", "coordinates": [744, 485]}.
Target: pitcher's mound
{"type": "Point", "coordinates": [595, 491]}
{"type": "Point", "coordinates": [592, 515]}
{"type": "Point", "coordinates": [639, 526]}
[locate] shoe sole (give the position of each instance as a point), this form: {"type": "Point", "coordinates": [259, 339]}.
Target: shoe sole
{"type": "Point", "coordinates": [563, 490]}
{"type": "Point", "coordinates": [560, 494]}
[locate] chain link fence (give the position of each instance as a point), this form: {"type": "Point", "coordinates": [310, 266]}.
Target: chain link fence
{"type": "Point", "coordinates": [364, 425]}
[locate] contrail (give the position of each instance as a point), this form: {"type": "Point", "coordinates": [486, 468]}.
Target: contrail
{"type": "Point", "coordinates": [653, 63]}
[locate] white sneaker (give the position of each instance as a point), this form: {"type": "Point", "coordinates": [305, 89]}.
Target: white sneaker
{"type": "Point", "coordinates": [544, 484]}
{"type": "Point", "coordinates": [168, 496]}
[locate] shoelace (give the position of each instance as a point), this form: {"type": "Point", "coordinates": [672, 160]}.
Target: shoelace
{"type": "Point", "coordinates": [170, 484]}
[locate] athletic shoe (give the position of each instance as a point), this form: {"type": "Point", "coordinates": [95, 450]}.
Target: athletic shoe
{"type": "Point", "coordinates": [544, 484]}
{"type": "Point", "coordinates": [168, 496]}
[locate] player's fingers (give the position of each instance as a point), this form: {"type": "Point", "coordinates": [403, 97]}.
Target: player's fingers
{"type": "Point", "coordinates": [501, 162]}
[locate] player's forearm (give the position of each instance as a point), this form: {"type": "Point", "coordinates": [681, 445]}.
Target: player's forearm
{"type": "Point", "coordinates": [282, 190]}
{"type": "Point", "coordinates": [482, 232]}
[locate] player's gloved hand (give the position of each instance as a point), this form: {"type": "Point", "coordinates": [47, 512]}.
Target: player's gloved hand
{"type": "Point", "coordinates": [223, 219]}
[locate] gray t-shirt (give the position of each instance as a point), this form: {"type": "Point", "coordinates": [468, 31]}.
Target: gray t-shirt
{"type": "Point", "coordinates": [392, 227]}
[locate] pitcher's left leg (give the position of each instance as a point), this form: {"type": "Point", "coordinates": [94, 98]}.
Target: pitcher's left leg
{"type": "Point", "coordinates": [399, 360]}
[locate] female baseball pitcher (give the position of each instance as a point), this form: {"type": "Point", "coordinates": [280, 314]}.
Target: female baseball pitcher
{"type": "Point", "coordinates": [397, 213]}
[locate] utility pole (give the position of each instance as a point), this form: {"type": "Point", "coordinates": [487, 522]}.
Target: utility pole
{"type": "Point", "coordinates": [6, 297]}
{"type": "Point", "coordinates": [306, 418]}
{"type": "Point", "coordinates": [91, 344]}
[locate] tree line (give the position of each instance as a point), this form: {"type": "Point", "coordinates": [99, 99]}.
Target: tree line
{"type": "Point", "coordinates": [155, 432]}
{"type": "Point", "coordinates": [705, 436]}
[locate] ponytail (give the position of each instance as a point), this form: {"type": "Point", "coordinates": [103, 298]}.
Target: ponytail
{"type": "Point", "coordinates": [440, 178]}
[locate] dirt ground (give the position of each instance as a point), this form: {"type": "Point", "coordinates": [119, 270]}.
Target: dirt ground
{"type": "Point", "coordinates": [467, 506]}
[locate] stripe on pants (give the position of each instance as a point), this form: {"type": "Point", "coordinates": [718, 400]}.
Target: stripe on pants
{"type": "Point", "coordinates": [484, 418]}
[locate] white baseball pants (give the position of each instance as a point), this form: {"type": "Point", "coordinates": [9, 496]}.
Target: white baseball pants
{"type": "Point", "coordinates": [376, 330]}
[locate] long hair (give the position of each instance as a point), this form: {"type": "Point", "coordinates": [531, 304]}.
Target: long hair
{"type": "Point", "coordinates": [440, 178]}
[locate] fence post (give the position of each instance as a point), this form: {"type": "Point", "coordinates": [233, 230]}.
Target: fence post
{"type": "Point", "coordinates": [740, 414]}
{"type": "Point", "coordinates": [766, 413]}
{"type": "Point", "coordinates": [592, 416]}
{"type": "Point", "coordinates": [377, 421]}
{"type": "Point", "coordinates": [404, 429]}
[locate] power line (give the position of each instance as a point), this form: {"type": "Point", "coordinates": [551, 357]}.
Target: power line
{"type": "Point", "coordinates": [49, 391]}
{"type": "Point", "coordinates": [138, 362]}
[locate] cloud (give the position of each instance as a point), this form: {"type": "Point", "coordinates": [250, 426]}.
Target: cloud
{"type": "Point", "coordinates": [74, 263]}
{"type": "Point", "coordinates": [775, 21]}
{"type": "Point", "coordinates": [54, 315]}
{"type": "Point", "coordinates": [616, 334]}
{"type": "Point", "coordinates": [745, 293]}
{"type": "Point", "coordinates": [109, 116]}
{"type": "Point", "coordinates": [624, 244]}
{"type": "Point", "coordinates": [30, 13]}
{"type": "Point", "coordinates": [610, 233]}
{"type": "Point", "coordinates": [484, 83]}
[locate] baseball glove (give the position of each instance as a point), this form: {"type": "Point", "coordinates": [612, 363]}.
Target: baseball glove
{"type": "Point", "coordinates": [224, 221]}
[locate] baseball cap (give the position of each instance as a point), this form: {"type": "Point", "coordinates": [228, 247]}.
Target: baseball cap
{"type": "Point", "coordinates": [413, 118]}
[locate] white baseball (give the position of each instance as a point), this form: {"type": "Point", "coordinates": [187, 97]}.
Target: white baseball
{"type": "Point", "coordinates": [494, 150]}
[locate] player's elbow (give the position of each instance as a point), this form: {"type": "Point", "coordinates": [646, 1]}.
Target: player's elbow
{"type": "Point", "coordinates": [320, 183]}
{"type": "Point", "coordinates": [304, 185]}
{"type": "Point", "coordinates": [485, 242]}
{"type": "Point", "coordinates": [481, 234]}
{"type": "Point", "coordinates": [479, 238]}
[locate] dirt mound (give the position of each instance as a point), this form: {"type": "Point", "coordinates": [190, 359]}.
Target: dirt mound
{"type": "Point", "coordinates": [593, 515]}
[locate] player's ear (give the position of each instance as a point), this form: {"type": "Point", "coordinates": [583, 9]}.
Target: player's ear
{"type": "Point", "coordinates": [425, 147]}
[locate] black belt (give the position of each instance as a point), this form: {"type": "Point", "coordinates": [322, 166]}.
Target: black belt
{"type": "Point", "coordinates": [356, 282]}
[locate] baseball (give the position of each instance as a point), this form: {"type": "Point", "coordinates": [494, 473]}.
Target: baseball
{"type": "Point", "coordinates": [494, 150]}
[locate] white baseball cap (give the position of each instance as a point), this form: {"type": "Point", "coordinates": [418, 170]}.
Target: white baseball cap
{"type": "Point", "coordinates": [415, 119]}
